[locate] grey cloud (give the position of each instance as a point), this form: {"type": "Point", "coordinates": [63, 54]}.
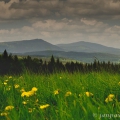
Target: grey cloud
{"type": "Point", "coordinates": [57, 9]}
{"type": "Point", "coordinates": [6, 1]}
{"type": "Point", "coordinates": [116, 0]}
{"type": "Point", "coordinates": [69, 8]}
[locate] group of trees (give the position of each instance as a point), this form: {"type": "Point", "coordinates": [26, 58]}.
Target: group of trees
{"type": "Point", "coordinates": [11, 64]}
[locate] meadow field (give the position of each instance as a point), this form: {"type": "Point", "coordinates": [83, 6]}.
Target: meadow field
{"type": "Point", "coordinates": [60, 96]}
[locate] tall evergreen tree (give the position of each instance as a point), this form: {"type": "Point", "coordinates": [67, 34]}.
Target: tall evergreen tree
{"type": "Point", "coordinates": [5, 54]}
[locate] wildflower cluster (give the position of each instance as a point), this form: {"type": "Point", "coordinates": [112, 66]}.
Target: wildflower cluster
{"type": "Point", "coordinates": [29, 93]}
{"type": "Point", "coordinates": [6, 110]}
{"type": "Point", "coordinates": [44, 106]}
{"type": "Point", "coordinates": [28, 101]}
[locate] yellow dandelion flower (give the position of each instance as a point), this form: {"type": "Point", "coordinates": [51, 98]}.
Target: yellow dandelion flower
{"type": "Point", "coordinates": [5, 83]}
{"type": "Point", "coordinates": [88, 94]}
{"type": "Point", "coordinates": [31, 93]}
{"type": "Point", "coordinates": [110, 98]}
{"type": "Point", "coordinates": [24, 102]}
{"type": "Point", "coordinates": [4, 114]}
{"type": "Point", "coordinates": [44, 106]}
{"type": "Point", "coordinates": [10, 77]}
{"type": "Point", "coordinates": [56, 92]}
{"type": "Point", "coordinates": [9, 108]}
{"type": "Point", "coordinates": [27, 94]}
{"type": "Point", "coordinates": [68, 93]}
{"type": "Point", "coordinates": [16, 86]}
{"type": "Point", "coordinates": [34, 89]}
{"type": "Point", "coordinates": [6, 80]}
{"type": "Point", "coordinates": [106, 100]}
{"type": "Point", "coordinates": [119, 83]}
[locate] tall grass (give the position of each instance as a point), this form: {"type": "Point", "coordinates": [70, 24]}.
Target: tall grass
{"type": "Point", "coordinates": [66, 96]}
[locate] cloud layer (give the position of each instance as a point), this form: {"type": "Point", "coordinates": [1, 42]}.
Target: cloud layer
{"type": "Point", "coordinates": [62, 21]}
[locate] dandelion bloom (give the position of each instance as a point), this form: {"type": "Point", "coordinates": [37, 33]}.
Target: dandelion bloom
{"type": "Point", "coordinates": [68, 93]}
{"type": "Point", "coordinates": [9, 108]}
{"type": "Point", "coordinates": [88, 94]}
{"type": "Point", "coordinates": [16, 86]}
{"type": "Point", "coordinates": [110, 98]}
{"type": "Point", "coordinates": [119, 83]}
{"type": "Point", "coordinates": [10, 77]}
{"type": "Point", "coordinates": [27, 94]}
{"type": "Point", "coordinates": [6, 80]}
{"type": "Point", "coordinates": [56, 92]}
{"type": "Point", "coordinates": [44, 106]}
{"type": "Point", "coordinates": [4, 114]}
{"type": "Point", "coordinates": [5, 83]}
{"type": "Point", "coordinates": [24, 102]}
{"type": "Point", "coordinates": [34, 89]}
{"type": "Point", "coordinates": [31, 93]}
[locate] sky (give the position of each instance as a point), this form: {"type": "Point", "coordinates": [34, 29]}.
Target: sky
{"type": "Point", "coordinates": [61, 21]}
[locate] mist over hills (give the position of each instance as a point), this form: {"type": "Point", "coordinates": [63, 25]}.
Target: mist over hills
{"type": "Point", "coordinates": [79, 56]}
{"type": "Point", "coordinates": [82, 51]}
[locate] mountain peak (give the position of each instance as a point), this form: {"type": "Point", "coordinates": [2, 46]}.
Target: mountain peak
{"type": "Point", "coordinates": [27, 46]}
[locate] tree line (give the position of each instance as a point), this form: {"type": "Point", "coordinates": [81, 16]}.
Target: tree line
{"type": "Point", "coordinates": [11, 64]}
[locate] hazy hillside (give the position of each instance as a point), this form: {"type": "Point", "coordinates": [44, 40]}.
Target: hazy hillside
{"type": "Point", "coordinates": [82, 51]}
{"type": "Point", "coordinates": [89, 48]}
{"type": "Point", "coordinates": [81, 56]}
{"type": "Point", "coordinates": [27, 46]}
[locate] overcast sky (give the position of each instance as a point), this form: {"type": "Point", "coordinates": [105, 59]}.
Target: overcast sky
{"type": "Point", "coordinates": [61, 21]}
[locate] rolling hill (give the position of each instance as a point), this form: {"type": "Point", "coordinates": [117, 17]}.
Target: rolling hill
{"type": "Point", "coordinates": [89, 48]}
{"type": "Point", "coordinates": [27, 46]}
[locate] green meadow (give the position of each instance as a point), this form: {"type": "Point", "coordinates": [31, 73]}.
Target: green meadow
{"type": "Point", "coordinates": [60, 96]}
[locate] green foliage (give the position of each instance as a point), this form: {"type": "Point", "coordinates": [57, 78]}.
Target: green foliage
{"type": "Point", "coordinates": [60, 96]}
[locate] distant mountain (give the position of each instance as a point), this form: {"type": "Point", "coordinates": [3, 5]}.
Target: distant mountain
{"type": "Point", "coordinates": [80, 56]}
{"type": "Point", "coordinates": [88, 47]}
{"type": "Point", "coordinates": [27, 46]}
{"type": "Point", "coordinates": [82, 51]}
